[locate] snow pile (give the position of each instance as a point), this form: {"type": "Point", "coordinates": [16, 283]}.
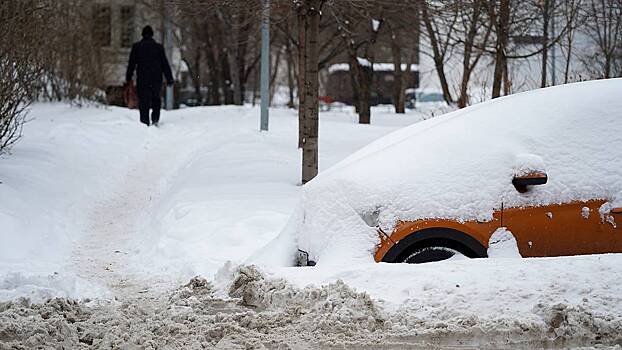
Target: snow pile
{"type": "Point", "coordinates": [265, 312]}
{"type": "Point", "coordinates": [502, 244]}
{"type": "Point", "coordinates": [460, 166]}
{"type": "Point", "coordinates": [528, 163]}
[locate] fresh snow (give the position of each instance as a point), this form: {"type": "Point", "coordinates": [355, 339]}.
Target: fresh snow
{"type": "Point", "coordinates": [502, 244]}
{"type": "Point", "coordinates": [460, 166]}
{"type": "Point", "coordinates": [92, 199]}
{"type": "Point", "coordinates": [95, 205]}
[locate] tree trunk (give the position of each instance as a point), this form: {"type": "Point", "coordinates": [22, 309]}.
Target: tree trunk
{"type": "Point", "coordinates": [302, 24]}
{"type": "Point", "coordinates": [310, 142]}
{"type": "Point", "coordinates": [231, 25]}
{"type": "Point", "coordinates": [225, 81]}
{"type": "Point", "coordinates": [275, 72]}
{"type": "Point", "coordinates": [354, 77]}
{"type": "Point", "coordinates": [365, 77]}
{"type": "Point", "coordinates": [398, 79]}
{"type": "Point", "coordinates": [467, 65]}
{"type": "Point", "coordinates": [439, 63]}
{"type": "Point", "coordinates": [500, 54]}
{"type": "Point", "coordinates": [568, 57]}
{"type": "Point", "coordinates": [545, 40]}
{"type": "Point", "coordinates": [290, 73]}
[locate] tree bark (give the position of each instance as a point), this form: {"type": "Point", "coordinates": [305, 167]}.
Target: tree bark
{"type": "Point", "coordinates": [290, 73]}
{"type": "Point", "coordinates": [545, 40]}
{"type": "Point", "coordinates": [398, 81]}
{"type": "Point", "coordinates": [365, 77]}
{"type": "Point", "coordinates": [500, 54]}
{"type": "Point", "coordinates": [310, 142]}
{"type": "Point", "coordinates": [302, 23]}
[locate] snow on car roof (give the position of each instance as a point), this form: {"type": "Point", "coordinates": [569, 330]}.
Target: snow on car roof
{"type": "Point", "coordinates": [460, 166]}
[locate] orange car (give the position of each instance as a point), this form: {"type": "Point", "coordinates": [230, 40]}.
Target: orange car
{"type": "Point", "coordinates": [546, 165]}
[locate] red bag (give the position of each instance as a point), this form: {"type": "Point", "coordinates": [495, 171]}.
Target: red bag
{"type": "Point", "coordinates": [130, 96]}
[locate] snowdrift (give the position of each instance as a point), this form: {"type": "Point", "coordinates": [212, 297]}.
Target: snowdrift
{"type": "Point", "coordinates": [460, 166]}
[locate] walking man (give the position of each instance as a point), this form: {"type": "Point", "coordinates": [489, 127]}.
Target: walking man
{"type": "Point", "coordinates": [148, 59]}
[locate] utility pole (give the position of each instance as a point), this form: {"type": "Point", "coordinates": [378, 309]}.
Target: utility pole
{"type": "Point", "coordinates": [553, 58]}
{"type": "Point", "coordinates": [168, 43]}
{"type": "Point", "coordinates": [265, 64]}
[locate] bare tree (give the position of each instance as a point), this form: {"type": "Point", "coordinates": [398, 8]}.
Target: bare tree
{"type": "Point", "coordinates": [439, 36]}
{"type": "Point", "coordinates": [603, 26]}
{"type": "Point", "coordinates": [501, 18]}
{"type": "Point", "coordinates": [570, 15]}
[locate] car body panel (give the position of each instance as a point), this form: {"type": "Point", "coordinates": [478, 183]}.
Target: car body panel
{"type": "Point", "coordinates": [559, 229]}
{"type": "Point", "coordinates": [480, 231]}
{"type": "Point", "coordinates": [553, 230]}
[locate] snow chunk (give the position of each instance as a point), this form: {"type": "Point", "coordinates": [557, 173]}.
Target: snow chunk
{"type": "Point", "coordinates": [528, 163]}
{"type": "Point", "coordinates": [502, 244]}
{"type": "Point", "coordinates": [375, 24]}
{"type": "Point", "coordinates": [605, 214]}
{"type": "Point", "coordinates": [585, 212]}
{"type": "Point", "coordinates": [363, 62]}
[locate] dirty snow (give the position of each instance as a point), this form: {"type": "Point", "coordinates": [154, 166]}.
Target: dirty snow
{"type": "Point", "coordinates": [262, 312]}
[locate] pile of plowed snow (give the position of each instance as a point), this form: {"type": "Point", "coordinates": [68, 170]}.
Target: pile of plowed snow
{"type": "Point", "coordinates": [261, 312]}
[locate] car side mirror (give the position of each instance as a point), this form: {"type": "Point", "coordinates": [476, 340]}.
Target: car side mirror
{"type": "Point", "coordinates": [531, 179]}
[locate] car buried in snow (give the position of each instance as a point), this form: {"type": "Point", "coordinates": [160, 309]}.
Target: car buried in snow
{"type": "Point", "coordinates": [545, 164]}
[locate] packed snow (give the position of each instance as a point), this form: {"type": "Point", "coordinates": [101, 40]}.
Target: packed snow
{"type": "Point", "coordinates": [502, 244]}
{"type": "Point", "coordinates": [104, 222]}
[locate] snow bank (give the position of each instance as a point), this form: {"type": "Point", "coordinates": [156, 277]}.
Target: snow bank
{"type": "Point", "coordinates": [261, 311]}
{"type": "Point", "coordinates": [460, 166]}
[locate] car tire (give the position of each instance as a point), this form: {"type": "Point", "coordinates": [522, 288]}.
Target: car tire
{"type": "Point", "coordinates": [430, 254]}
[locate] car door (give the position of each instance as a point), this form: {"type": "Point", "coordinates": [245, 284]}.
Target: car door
{"type": "Point", "coordinates": [559, 229]}
{"type": "Point", "coordinates": [610, 217]}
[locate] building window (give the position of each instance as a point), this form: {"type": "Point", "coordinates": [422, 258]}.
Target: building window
{"type": "Point", "coordinates": [127, 26]}
{"type": "Point", "coordinates": [102, 25]}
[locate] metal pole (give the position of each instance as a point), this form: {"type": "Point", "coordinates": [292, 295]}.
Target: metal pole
{"type": "Point", "coordinates": [169, 49]}
{"type": "Point", "coordinates": [553, 58]}
{"type": "Point", "coordinates": [265, 64]}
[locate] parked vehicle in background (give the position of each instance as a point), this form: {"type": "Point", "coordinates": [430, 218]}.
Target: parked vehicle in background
{"type": "Point", "coordinates": [423, 96]}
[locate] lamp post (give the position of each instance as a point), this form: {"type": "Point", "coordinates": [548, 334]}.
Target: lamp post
{"type": "Point", "coordinates": [265, 64]}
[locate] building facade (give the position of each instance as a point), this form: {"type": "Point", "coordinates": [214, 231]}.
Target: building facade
{"type": "Point", "coordinates": [339, 86]}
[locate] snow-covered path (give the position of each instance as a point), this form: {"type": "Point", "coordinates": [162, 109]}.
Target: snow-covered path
{"type": "Point", "coordinates": [114, 223]}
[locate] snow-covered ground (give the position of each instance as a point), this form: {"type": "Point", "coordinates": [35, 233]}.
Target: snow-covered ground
{"type": "Point", "coordinates": [97, 207]}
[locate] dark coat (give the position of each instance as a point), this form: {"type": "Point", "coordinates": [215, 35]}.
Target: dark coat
{"type": "Point", "coordinates": [149, 60]}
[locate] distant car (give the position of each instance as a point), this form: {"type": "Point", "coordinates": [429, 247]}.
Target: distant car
{"type": "Point", "coordinates": [545, 164]}
{"type": "Point", "coordinates": [414, 96]}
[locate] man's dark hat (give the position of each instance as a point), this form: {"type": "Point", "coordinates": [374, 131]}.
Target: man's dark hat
{"type": "Point", "coordinates": [147, 32]}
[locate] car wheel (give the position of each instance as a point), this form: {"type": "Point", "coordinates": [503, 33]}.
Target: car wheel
{"type": "Point", "coordinates": [431, 254]}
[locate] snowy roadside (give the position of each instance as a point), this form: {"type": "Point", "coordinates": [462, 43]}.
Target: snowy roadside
{"type": "Point", "coordinates": [115, 216]}
{"type": "Point", "coordinates": [261, 312]}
